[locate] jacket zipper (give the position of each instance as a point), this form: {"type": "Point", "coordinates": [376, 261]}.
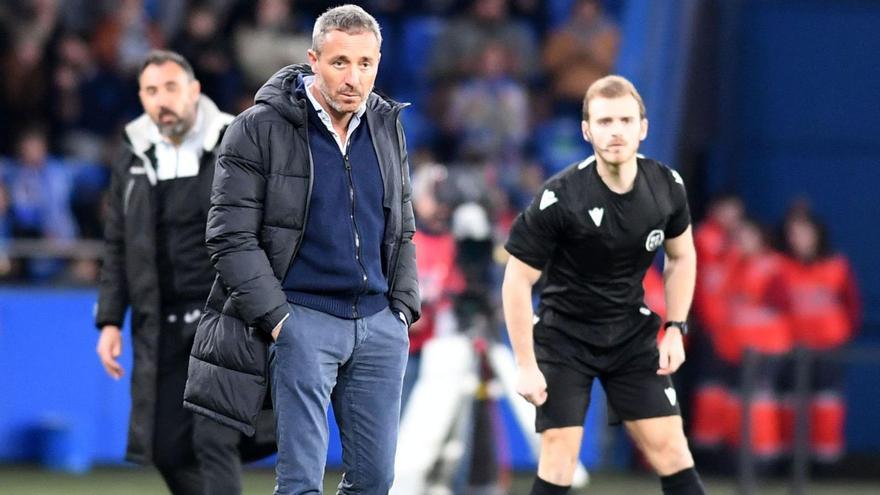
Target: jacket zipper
{"type": "Point", "coordinates": [357, 236]}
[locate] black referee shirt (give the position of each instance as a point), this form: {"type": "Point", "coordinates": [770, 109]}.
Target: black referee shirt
{"type": "Point", "coordinates": [594, 245]}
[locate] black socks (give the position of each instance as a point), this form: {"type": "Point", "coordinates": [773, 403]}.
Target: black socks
{"type": "Point", "coordinates": [684, 482]}
{"type": "Point", "coordinates": [541, 487]}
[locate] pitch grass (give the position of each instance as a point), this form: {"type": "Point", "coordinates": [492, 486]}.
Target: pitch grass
{"type": "Point", "coordinates": [30, 480]}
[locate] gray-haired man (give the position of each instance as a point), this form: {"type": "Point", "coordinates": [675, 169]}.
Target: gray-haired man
{"type": "Point", "coordinates": [310, 231]}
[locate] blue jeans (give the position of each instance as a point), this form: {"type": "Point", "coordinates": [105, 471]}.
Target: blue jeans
{"type": "Point", "coordinates": [359, 365]}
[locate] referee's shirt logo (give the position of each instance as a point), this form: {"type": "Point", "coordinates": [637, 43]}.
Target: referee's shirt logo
{"type": "Point", "coordinates": [596, 215]}
{"type": "Point", "coordinates": [654, 240]}
{"type": "Point", "coordinates": [547, 199]}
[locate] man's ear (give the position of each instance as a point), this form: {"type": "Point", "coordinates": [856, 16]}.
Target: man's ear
{"type": "Point", "coordinates": [643, 132]}
{"type": "Point", "coordinates": [585, 130]}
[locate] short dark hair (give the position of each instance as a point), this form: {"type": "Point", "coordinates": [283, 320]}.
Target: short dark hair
{"type": "Point", "coordinates": [159, 57]}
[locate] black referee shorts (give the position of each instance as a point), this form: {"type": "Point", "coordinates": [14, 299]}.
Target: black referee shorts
{"type": "Point", "coordinates": [627, 371]}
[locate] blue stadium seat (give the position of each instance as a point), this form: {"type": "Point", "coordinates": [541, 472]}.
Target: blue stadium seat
{"type": "Point", "coordinates": [415, 52]}
{"type": "Point", "coordinates": [418, 128]}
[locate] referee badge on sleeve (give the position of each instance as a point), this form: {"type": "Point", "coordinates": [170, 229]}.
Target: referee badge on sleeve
{"type": "Point", "coordinates": [654, 240]}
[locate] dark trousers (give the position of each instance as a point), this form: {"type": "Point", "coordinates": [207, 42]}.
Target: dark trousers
{"type": "Point", "coordinates": [195, 455]}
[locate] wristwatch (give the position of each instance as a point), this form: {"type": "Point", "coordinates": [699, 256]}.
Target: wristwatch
{"type": "Point", "coordinates": [681, 325]}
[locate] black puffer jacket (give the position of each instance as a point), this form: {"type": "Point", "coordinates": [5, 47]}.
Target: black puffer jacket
{"type": "Point", "coordinates": [259, 208]}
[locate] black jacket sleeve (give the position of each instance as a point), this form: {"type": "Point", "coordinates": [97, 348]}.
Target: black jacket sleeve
{"type": "Point", "coordinates": [113, 283]}
{"type": "Point", "coordinates": [234, 221]}
{"type": "Point", "coordinates": [405, 286]}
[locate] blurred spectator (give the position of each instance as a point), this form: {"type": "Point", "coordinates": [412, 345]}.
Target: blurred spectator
{"type": "Point", "coordinates": [80, 16]}
{"type": "Point", "coordinates": [125, 35]}
{"type": "Point", "coordinates": [40, 189]}
{"type": "Point", "coordinates": [488, 116]}
{"type": "Point", "coordinates": [210, 52]}
{"type": "Point", "coordinates": [756, 319]}
{"type": "Point", "coordinates": [36, 19]}
{"type": "Point", "coordinates": [714, 241]}
{"type": "Point", "coordinates": [825, 312]}
{"type": "Point", "coordinates": [24, 85]}
{"type": "Point", "coordinates": [439, 278]}
{"type": "Point", "coordinates": [461, 47]}
{"type": "Point", "coordinates": [271, 40]}
{"type": "Point", "coordinates": [88, 101]}
{"type": "Point", "coordinates": [579, 52]}
{"type": "Point", "coordinates": [40, 186]}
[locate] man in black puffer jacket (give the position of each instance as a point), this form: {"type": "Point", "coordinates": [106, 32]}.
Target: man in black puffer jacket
{"type": "Point", "coordinates": [310, 230]}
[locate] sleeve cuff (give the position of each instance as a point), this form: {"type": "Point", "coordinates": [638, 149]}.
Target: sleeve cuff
{"type": "Point", "coordinates": [270, 320]}
{"type": "Point", "coordinates": [403, 312]}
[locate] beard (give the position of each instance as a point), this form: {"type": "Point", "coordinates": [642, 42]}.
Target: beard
{"type": "Point", "coordinates": [178, 127]}
{"type": "Point", "coordinates": [335, 104]}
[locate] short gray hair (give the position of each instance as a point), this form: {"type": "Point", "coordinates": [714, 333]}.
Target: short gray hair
{"type": "Point", "coordinates": [349, 19]}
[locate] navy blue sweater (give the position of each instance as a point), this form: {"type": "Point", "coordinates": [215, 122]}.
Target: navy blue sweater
{"type": "Point", "coordinates": [338, 269]}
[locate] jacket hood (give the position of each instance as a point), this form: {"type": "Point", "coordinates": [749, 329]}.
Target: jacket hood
{"type": "Point", "coordinates": [285, 93]}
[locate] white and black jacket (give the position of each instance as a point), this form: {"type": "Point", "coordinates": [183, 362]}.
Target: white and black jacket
{"type": "Point", "coordinates": [129, 275]}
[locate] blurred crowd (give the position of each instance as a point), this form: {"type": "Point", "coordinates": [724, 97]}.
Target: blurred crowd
{"type": "Point", "coordinates": [496, 88]}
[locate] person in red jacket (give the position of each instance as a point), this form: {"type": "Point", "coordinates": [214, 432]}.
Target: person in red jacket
{"type": "Point", "coordinates": [714, 241]}
{"type": "Point", "coordinates": [825, 311]}
{"type": "Point", "coordinates": [716, 250]}
{"type": "Point", "coordinates": [756, 320]}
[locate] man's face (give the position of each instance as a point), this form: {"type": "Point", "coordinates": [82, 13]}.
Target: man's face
{"type": "Point", "coordinates": [345, 70]}
{"type": "Point", "coordinates": [615, 128]}
{"type": "Point", "coordinates": [169, 97]}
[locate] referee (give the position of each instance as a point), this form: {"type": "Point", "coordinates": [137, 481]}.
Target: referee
{"type": "Point", "coordinates": [593, 231]}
